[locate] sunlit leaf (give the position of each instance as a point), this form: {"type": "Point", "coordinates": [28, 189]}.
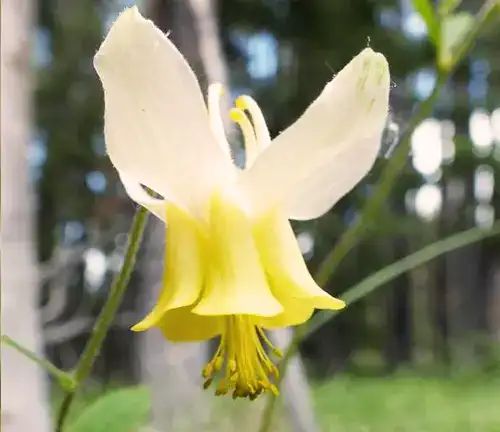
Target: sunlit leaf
{"type": "Point", "coordinates": [428, 14]}
{"type": "Point", "coordinates": [122, 410]}
{"type": "Point", "coordinates": [454, 28]}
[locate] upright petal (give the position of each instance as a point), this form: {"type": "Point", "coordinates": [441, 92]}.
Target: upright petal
{"type": "Point", "coordinates": [332, 146]}
{"type": "Point", "coordinates": [156, 122]}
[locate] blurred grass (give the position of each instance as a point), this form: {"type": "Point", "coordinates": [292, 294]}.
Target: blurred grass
{"type": "Point", "coordinates": [391, 404]}
{"type": "Point", "coordinates": [409, 404]}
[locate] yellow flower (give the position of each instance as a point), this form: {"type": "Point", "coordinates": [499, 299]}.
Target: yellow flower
{"type": "Point", "coordinates": [232, 265]}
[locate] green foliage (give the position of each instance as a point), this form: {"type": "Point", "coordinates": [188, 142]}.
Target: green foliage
{"type": "Point", "coordinates": [448, 6]}
{"type": "Point", "coordinates": [122, 410]}
{"type": "Point", "coordinates": [409, 404]}
{"type": "Point", "coordinates": [428, 14]}
{"type": "Point", "coordinates": [454, 28]}
{"type": "Point", "coordinates": [446, 30]}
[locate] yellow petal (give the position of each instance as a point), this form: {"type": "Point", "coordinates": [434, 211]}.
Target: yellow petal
{"type": "Point", "coordinates": [183, 272]}
{"type": "Point", "coordinates": [236, 283]}
{"type": "Point", "coordinates": [295, 311]}
{"type": "Point", "coordinates": [290, 280]}
{"type": "Point", "coordinates": [181, 325]}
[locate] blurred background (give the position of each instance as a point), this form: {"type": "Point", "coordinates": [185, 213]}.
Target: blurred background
{"type": "Point", "coordinates": [422, 354]}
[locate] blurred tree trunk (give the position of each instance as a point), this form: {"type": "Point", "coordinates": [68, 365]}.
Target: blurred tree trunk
{"type": "Point", "coordinates": [24, 390]}
{"type": "Point", "coordinates": [493, 310]}
{"type": "Point", "coordinates": [464, 290]}
{"type": "Point", "coordinates": [464, 284]}
{"type": "Point", "coordinates": [398, 343]}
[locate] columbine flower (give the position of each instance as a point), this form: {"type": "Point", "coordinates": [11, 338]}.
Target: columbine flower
{"type": "Point", "coordinates": [232, 265]}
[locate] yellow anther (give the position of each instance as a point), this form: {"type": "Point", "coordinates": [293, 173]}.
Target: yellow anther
{"type": "Point", "coordinates": [275, 372]}
{"type": "Point", "coordinates": [219, 361]}
{"type": "Point", "coordinates": [277, 352]}
{"type": "Point", "coordinates": [221, 391]}
{"type": "Point", "coordinates": [207, 383]}
{"type": "Point", "coordinates": [231, 364]}
{"type": "Point", "coordinates": [222, 388]}
{"type": "Point", "coordinates": [207, 371]}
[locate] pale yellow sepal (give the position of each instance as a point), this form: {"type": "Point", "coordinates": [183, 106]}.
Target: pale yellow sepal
{"type": "Point", "coordinates": [156, 124]}
{"type": "Point", "coordinates": [331, 147]}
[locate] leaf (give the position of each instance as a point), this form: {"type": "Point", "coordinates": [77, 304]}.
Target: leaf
{"type": "Point", "coordinates": [448, 6]}
{"type": "Point", "coordinates": [454, 29]}
{"type": "Point", "coordinates": [380, 278]}
{"type": "Point", "coordinates": [426, 11]}
{"type": "Point", "coordinates": [123, 410]}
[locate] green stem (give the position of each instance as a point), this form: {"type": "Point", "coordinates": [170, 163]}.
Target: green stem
{"type": "Point", "coordinates": [118, 287]}
{"type": "Point", "coordinates": [390, 174]}
{"type": "Point", "coordinates": [103, 323]}
{"type": "Point", "coordinates": [64, 379]}
{"type": "Point", "coordinates": [63, 411]}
